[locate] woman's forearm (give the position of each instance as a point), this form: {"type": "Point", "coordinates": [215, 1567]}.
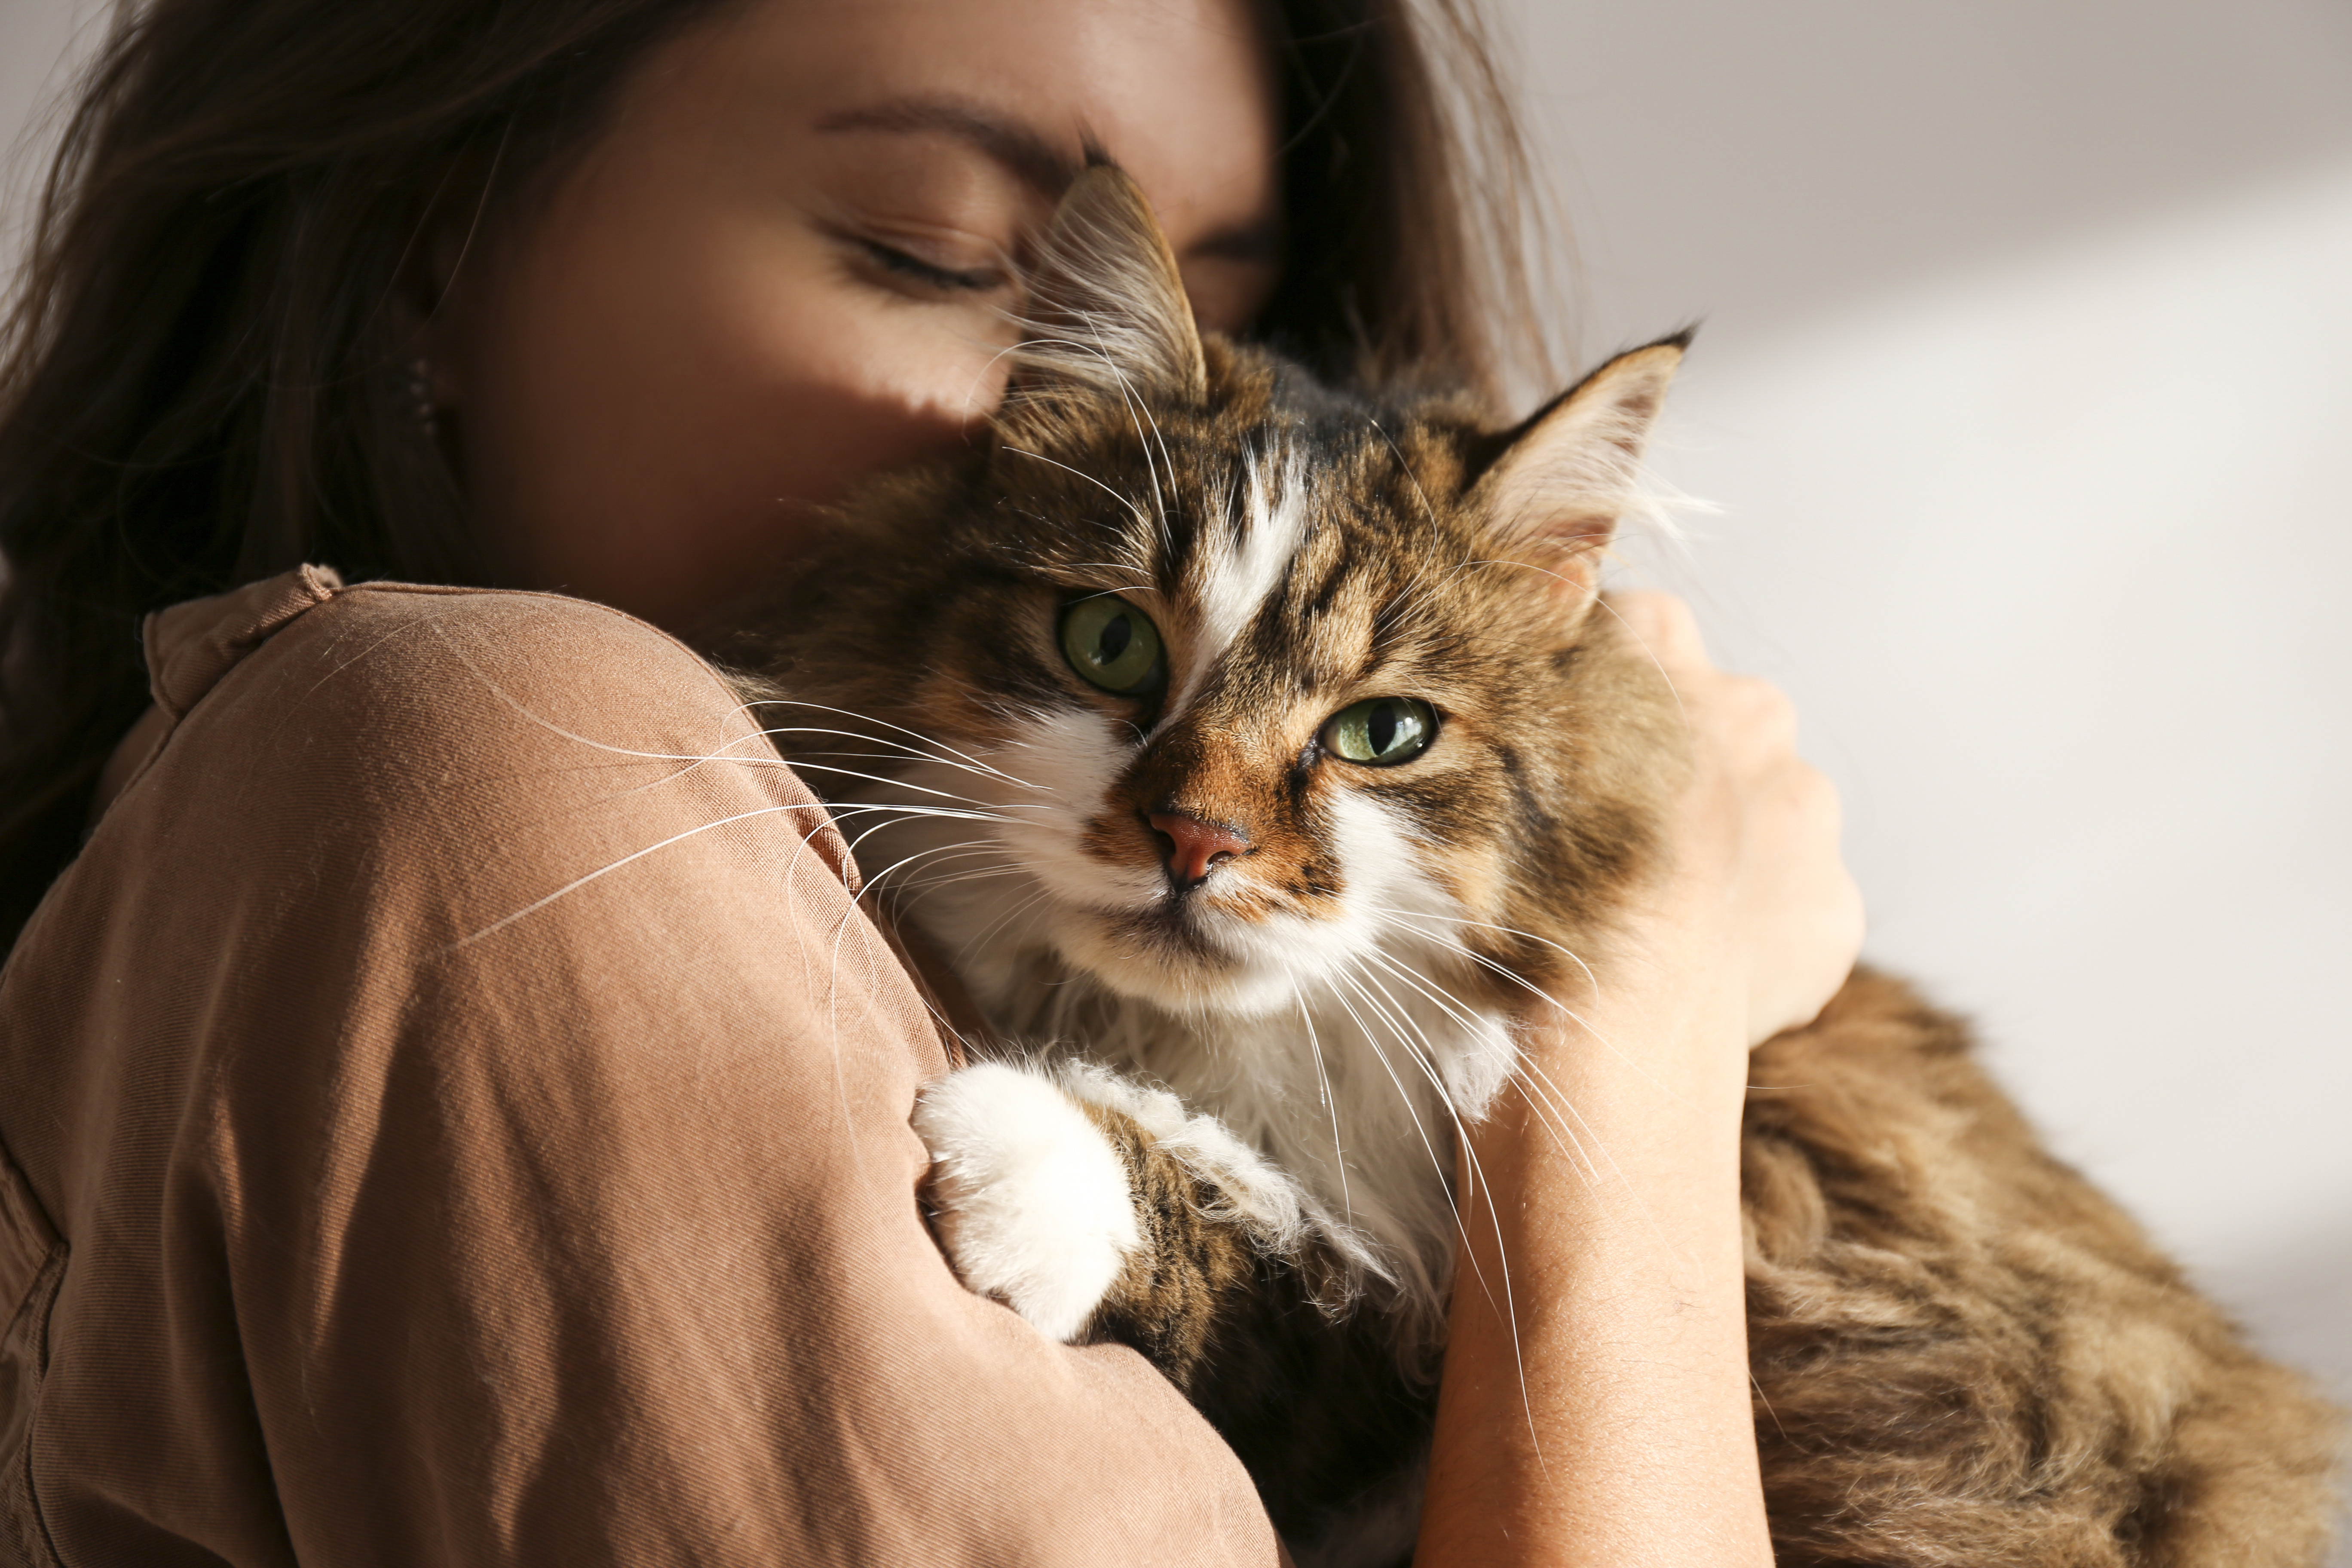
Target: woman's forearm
{"type": "Point", "coordinates": [1597, 1412]}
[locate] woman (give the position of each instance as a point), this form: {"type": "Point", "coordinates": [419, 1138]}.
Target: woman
{"type": "Point", "coordinates": [428, 1140]}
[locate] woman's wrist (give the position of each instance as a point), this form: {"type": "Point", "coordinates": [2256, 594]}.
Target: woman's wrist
{"type": "Point", "coordinates": [1595, 1403]}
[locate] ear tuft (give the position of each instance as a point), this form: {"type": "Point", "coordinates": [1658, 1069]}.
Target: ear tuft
{"type": "Point", "coordinates": [1559, 482]}
{"type": "Point", "coordinates": [1107, 310]}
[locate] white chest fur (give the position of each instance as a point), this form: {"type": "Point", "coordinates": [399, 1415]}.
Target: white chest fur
{"type": "Point", "coordinates": [1356, 1096]}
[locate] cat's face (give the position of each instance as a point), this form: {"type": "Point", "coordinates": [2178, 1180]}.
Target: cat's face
{"type": "Point", "coordinates": [1240, 694]}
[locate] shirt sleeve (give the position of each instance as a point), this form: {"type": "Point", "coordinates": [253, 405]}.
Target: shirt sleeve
{"type": "Point", "coordinates": [494, 1150]}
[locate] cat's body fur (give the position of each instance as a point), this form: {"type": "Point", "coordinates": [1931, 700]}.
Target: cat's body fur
{"type": "Point", "coordinates": [1257, 983]}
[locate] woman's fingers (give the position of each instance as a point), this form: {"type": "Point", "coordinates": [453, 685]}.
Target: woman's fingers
{"type": "Point", "coordinates": [1752, 720]}
{"type": "Point", "coordinates": [1802, 908]}
{"type": "Point", "coordinates": [1663, 624]}
{"type": "Point", "coordinates": [1756, 838]}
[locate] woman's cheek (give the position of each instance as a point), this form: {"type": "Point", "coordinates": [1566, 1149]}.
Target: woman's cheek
{"type": "Point", "coordinates": [866, 380]}
{"type": "Point", "coordinates": [678, 430]}
{"type": "Point", "coordinates": [803, 400]}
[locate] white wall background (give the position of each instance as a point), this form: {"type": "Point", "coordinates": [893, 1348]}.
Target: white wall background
{"type": "Point", "coordinates": [2025, 392]}
{"type": "Point", "coordinates": [37, 41]}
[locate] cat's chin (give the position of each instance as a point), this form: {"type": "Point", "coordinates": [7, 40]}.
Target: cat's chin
{"type": "Point", "coordinates": [1173, 968]}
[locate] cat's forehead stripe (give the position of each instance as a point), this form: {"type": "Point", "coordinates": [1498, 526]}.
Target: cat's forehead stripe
{"type": "Point", "coordinates": [1236, 570]}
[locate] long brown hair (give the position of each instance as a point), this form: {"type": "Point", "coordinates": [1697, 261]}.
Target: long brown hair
{"type": "Point", "coordinates": [208, 376]}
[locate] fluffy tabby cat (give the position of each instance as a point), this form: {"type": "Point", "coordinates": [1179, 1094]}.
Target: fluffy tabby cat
{"type": "Point", "coordinates": [1258, 754]}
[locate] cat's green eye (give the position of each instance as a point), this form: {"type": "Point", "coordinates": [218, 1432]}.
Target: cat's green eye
{"type": "Point", "coordinates": [1381, 732]}
{"type": "Point", "coordinates": [1113, 645]}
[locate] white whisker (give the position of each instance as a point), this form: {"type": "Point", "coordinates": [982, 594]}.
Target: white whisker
{"type": "Point", "coordinates": [973, 801]}
{"type": "Point", "coordinates": [1371, 1039]}
{"type": "Point", "coordinates": [1131, 506]}
{"type": "Point", "coordinates": [1323, 1088]}
{"type": "Point", "coordinates": [578, 882]}
{"type": "Point", "coordinates": [1592, 979]}
{"type": "Point", "coordinates": [1470, 1159]}
{"type": "Point", "coordinates": [918, 734]}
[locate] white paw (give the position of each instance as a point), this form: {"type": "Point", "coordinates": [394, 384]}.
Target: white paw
{"type": "Point", "coordinates": [1032, 1202]}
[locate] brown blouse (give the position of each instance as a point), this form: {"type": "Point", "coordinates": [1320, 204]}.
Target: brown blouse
{"type": "Point", "coordinates": [455, 1111]}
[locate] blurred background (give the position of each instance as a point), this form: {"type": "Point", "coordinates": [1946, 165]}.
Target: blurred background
{"type": "Point", "coordinates": [2024, 399]}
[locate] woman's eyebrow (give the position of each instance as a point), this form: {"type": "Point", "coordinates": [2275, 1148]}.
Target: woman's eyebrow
{"type": "Point", "coordinates": [1019, 148]}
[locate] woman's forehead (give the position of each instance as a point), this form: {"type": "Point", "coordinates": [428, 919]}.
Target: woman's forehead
{"type": "Point", "coordinates": [1180, 92]}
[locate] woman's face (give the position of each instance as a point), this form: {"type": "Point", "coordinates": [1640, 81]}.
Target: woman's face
{"type": "Point", "coordinates": [785, 264]}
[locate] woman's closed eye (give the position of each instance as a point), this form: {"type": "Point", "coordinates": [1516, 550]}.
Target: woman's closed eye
{"type": "Point", "coordinates": [905, 271]}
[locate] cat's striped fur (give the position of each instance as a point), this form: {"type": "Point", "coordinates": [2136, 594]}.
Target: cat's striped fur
{"type": "Point", "coordinates": [1253, 982]}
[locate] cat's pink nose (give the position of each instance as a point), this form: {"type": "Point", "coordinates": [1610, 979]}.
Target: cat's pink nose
{"type": "Point", "coordinates": [1194, 847]}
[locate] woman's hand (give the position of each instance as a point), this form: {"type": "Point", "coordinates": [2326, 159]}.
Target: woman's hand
{"type": "Point", "coordinates": [1756, 900]}
{"type": "Point", "coordinates": [1595, 1403]}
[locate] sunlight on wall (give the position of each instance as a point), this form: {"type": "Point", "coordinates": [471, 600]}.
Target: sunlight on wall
{"type": "Point", "coordinates": [2054, 559]}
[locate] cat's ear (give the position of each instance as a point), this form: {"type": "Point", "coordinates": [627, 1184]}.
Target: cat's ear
{"type": "Point", "coordinates": [1554, 488]}
{"type": "Point", "coordinates": [1106, 309]}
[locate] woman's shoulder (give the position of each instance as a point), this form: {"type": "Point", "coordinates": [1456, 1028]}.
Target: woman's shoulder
{"type": "Point", "coordinates": [303, 661]}
{"type": "Point", "coordinates": [400, 715]}
{"type": "Point", "coordinates": [429, 654]}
